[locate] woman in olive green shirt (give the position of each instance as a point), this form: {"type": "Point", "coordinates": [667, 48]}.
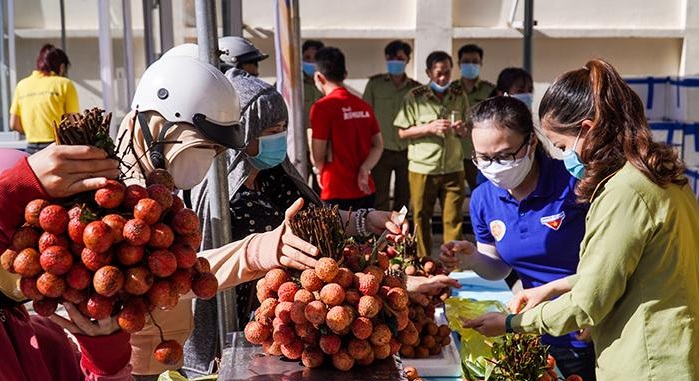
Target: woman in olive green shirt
{"type": "Point", "coordinates": [637, 282]}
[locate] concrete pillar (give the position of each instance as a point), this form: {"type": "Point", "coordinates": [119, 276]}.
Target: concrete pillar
{"type": "Point", "coordinates": [689, 63]}
{"type": "Point", "coordinates": [433, 31]}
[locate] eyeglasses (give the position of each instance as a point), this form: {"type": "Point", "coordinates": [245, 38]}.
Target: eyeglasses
{"type": "Point", "coordinates": [483, 161]}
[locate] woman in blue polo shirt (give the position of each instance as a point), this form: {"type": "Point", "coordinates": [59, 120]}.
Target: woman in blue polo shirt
{"type": "Point", "coordinates": [525, 218]}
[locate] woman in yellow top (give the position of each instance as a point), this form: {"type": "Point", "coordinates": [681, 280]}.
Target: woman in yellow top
{"type": "Point", "coordinates": [637, 283]}
{"type": "Point", "coordinates": [42, 98]}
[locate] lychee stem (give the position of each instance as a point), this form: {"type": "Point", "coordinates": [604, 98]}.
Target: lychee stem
{"type": "Point", "coordinates": [160, 329]}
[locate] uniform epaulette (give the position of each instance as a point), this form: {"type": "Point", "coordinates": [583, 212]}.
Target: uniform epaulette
{"type": "Point", "coordinates": [378, 76]}
{"type": "Point", "coordinates": [487, 83]}
{"type": "Point", "coordinates": [419, 91]}
{"type": "Point", "coordinates": [456, 89]}
{"type": "Point", "coordinates": [413, 83]}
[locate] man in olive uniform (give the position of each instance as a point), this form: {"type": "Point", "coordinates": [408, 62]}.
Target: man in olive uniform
{"type": "Point", "coordinates": [385, 93]}
{"type": "Point", "coordinates": [310, 95]}
{"type": "Point", "coordinates": [431, 119]}
{"type": "Point", "coordinates": [477, 90]}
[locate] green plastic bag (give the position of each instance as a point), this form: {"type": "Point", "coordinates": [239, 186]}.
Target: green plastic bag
{"type": "Point", "coordinates": [474, 348]}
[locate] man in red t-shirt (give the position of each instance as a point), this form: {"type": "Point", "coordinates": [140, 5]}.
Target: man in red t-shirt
{"type": "Point", "coordinates": [346, 137]}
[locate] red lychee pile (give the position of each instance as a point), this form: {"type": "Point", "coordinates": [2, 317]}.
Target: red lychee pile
{"type": "Point", "coordinates": [119, 251]}
{"type": "Point", "coordinates": [331, 313]}
{"type": "Point", "coordinates": [428, 338]}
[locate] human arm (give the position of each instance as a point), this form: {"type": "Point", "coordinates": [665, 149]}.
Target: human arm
{"type": "Point", "coordinates": [72, 106]}
{"type": "Point", "coordinates": [376, 222]}
{"type": "Point", "coordinates": [482, 258]}
{"type": "Point", "coordinates": [16, 123]}
{"type": "Point", "coordinates": [531, 297]}
{"type": "Point", "coordinates": [435, 127]}
{"type": "Point", "coordinates": [319, 151]}
{"type": "Point", "coordinates": [369, 163]}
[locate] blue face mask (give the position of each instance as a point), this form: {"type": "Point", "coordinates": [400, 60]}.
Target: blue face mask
{"type": "Point", "coordinates": [470, 70]}
{"type": "Point", "coordinates": [527, 98]}
{"type": "Point", "coordinates": [272, 151]}
{"type": "Point", "coordinates": [571, 160]}
{"type": "Point", "coordinates": [395, 67]}
{"type": "Point", "coordinates": [309, 68]}
{"type": "Point", "coordinates": [437, 88]}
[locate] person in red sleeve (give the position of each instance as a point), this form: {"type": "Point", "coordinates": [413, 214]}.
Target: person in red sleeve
{"type": "Point", "coordinates": [347, 141]}
{"type": "Point", "coordinates": [35, 347]}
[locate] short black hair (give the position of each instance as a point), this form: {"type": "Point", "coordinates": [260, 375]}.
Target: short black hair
{"type": "Point", "coordinates": [471, 48]}
{"type": "Point", "coordinates": [396, 46]}
{"type": "Point", "coordinates": [438, 56]}
{"type": "Point", "coordinates": [509, 77]}
{"type": "Point", "coordinates": [308, 44]}
{"type": "Point", "coordinates": [331, 63]}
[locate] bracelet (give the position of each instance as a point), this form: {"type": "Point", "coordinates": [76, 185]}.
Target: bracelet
{"type": "Point", "coordinates": [360, 221]}
{"type": "Point", "coordinates": [508, 323]}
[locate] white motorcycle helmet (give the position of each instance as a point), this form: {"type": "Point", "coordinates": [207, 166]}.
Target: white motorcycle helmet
{"type": "Point", "coordinates": [187, 49]}
{"type": "Point", "coordinates": [184, 89]}
{"type": "Point", "coordinates": [239, 50]}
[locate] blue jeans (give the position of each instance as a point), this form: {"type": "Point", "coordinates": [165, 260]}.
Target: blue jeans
{"type": "Point", "coordinates": [580, 361]}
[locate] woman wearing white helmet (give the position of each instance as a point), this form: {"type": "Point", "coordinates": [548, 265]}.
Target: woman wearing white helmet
{"type": "Point", "coordinates": [240, 53]}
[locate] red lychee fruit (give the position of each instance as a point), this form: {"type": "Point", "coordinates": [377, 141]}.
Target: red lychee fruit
{"type": "Point", "coordinates": [338, 318]}
{"type": "Point", "coordinates": [98, 236]}
{"type": "Point", "coordinates": [310, 281]}
{"type": "Point", "coordinates": [381, 335]}
{"type": "Point", "coordinates": [161, 293]}
{"type": "Point", "coordinates": [181, 281]}
{"type": "Point", "coordinates": [177, 204]}
{"type": "Point", "coordinates": [205, 286]}
{"type": "Point", "coordinates": [275, 278]}
{"type": "Point", "coordinates": [29, 289]}
{"type": "Point", "coordinates": [25, 237]}
{"type": "Point", "coordinates": [148, 210]}
{"type": "Point", "coordinates": [132, 318]}
{"type": "Point", "coordinates": [168, 352]}
{"type": "Point", "coordinates": [129, 254]}
{"type": "Point", "coordinates": [45, 307]}
{"type": "Point", "coordinates": [272, 348]}
{"type": "Point", "coordinates": [76, 228]}
{"type": "Point", "coordinates": [185, 222]}
{"type": "Point", "coordinates": [368, 284]}
{"type": "Point", "coordinates": [316, 312]}
{"type": "Point", "coordinates": [185, 255]}
{"type": "Point", "coordinates": [94, 260]}
{"type": "Point", "coordinates": [47, 240]}
{"type": "Point", "coordinates": [359, 349]}
{"type": "Point", "coordinates": [132, 195]}
{"type": "Point", "coordinates": [395, 346]}
{"type": "Point", "coordinates": [161, 194]}
{"type": "Point", "coordinates": [298, 312]}
{"type": "Point", "coordinates": [193, 240]}
{"type": "Point", "coordinates": [138, 280]}
{"type": "Point", "coordinates": [27, 263]}
{"type": "Point", "coordinates": [344, 277]}
{"type": "Point", "coordinates": [136, 232]}
{"type": "Point", "coordinates": [160, 176]}
{"type": "Point", "coordinates": [342, 360]}
{"type": "Point", "coordinates": [73, 295]}
{"type": "Point", "coordinates": [283, 311]}
{"type": "Point", "coordinates": [305, 330]}
{"type": "Point", "coordinates": [326, 269]}
{"type": "Point", "coordinates": [312, 357]}
{"type": "Point", "coordinates": [265, 312]}
{"type": "Point", "coordinates": [161, 236]}
{"type": "Point", "coordinates": [293, 350]}
{"type": "Point", "coordinates": [304, 296]}
{"type": "Point", "coordinates": [202, 265]}
{"type": "Point", "coordinates": [402, 319]}
{"type": "Point", "coordinates": [162, 263]}
{"type": "Point", "coordinates": [352, 297]}
{"type": "Point", "coordinates": [110, 195]}
{"type": "Point", "coordinates": [50, 285]}
{"type": "Point", "coordinates": [257, 333]}
{"type": "Point", "coordinates": [332, 294]}
{"type": "Point", "coordinates": [287, 291]}
{"type": "Point", "coordinates": [382, 261]}
{"type": "Point", "coordinates": [330, 344]}
{"type": "Point", "coordinates": [375, 271]}
{"type": "Point", "coordinates": [100, 307]}
{"type": "Point", "coordinates": [397, 298]}
{"type": "Point", "coordinates": [7, 260]}
{"type": "Point", "coordinates": [362, 328]}
{"type": "Point", "coordinates": [369, 306]}
{"type": "Point", "coordinates": [54, 219]}
{"type": "Point", "coordinates": [56, 260]}
{"type": "Point", "coordinates": [116, 222]}
{"type": "Point", "coordinates": [284, 334]}
{"type": "Point", "coordinates": [32, 211]}
{"type": "Point", "coordinates": [382, 351]}
{"type": "Point", "coordinates": [391, 252]}
{"type": "Point", "coordinates": [108, 280]}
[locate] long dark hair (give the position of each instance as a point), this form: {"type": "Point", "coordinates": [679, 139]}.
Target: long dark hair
{"type": "Point", "coordinates": [620, 132]}
{"type": "Point", "coordinates": [50, 59]}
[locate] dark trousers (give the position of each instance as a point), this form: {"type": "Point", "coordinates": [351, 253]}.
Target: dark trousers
{"type": "Point", "coordinates": [580, 361]}
{"type": "Point", "coordinates": [390, 162]}
{"type": "Point", "coordinates": [353, 203]}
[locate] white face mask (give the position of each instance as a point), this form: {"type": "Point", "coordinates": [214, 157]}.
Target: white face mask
{"type": "Point", "coordinates": [189, 167]}
{"type": "Point", "coordinates": [508, 175]}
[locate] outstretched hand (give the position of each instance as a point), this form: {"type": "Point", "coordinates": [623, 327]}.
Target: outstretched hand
{"type": "Point", "coordinates": [448, 253]}
{"type": "Point", "coordinates": [378, 220]}
{"type": "Point", "coordinates": [65, 170]}
{"type": "Point", "coordinates": [81, 325]}
{"type": "Point", "coordinates": [489, 324]}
